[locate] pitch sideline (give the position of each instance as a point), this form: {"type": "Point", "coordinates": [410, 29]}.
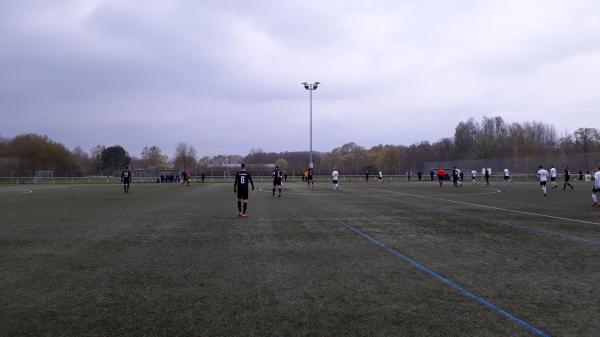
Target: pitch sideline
{"type": "Point", "coordinates": [483, 206]}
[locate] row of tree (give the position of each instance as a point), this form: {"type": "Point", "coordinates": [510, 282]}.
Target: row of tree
{"type": "Point", "coordinates": [490, 138]}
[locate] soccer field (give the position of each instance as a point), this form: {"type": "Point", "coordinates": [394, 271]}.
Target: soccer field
{"type": "Point", "coordinates": [392, 259]}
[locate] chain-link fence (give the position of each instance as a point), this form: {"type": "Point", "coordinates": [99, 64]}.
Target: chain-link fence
{"type": "Point", "coordinates": [198, 179]}
{"type": "Point", "coordinates": [584, 162]}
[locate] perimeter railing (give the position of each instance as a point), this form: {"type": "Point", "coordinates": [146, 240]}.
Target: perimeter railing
{"type": "Point", "coordinates": [262, 179]}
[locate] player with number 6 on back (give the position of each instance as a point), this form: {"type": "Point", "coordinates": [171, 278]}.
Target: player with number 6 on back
{"type": "Point", "coordinates": [240, 186]}
{"type": "Point", "coordinates": [277, 178]}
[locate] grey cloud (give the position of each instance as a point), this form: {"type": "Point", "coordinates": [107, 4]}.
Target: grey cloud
{"type": "Point", "coordinates": [198, 70]}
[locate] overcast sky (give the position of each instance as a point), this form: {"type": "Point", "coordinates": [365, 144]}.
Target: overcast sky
{"type": "Point", "coordinates": [225, 75]}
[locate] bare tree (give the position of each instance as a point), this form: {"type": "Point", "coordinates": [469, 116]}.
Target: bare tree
{"type": "Point", "coordinates": [82, 159]}
{"type": "Point", "coordinates": [464, 138]}
{"type": "Point", "coordinates": [96, 157]}
{"type": "Point", "coordinates": [586, 139]}
{"type": "Point", "coordinates": [185, 156]}
{"type": "Point", "coordinates": [152, 157]}
{"type": "Point", "coordinates": [282, 163]}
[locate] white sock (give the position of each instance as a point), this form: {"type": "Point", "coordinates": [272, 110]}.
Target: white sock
{"type": "Point", "coordinates": [544, 189]}
{"type": "Point", "coordinates": [594, 198]}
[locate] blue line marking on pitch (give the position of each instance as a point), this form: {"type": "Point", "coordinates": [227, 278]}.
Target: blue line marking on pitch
{"type": "Point", "coordinates": [464, 291]}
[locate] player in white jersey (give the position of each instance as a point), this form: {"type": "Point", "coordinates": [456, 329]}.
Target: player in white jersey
{"type": "Point", "coordinates": [473, 177]}
{"type": "Point", "coordinates": [507, 176]}
{"type": "Point", "coordinates": [596, 188]}
{"type": "Point", "coordinates": [334, 178]}
{"type": "Point", "coordinates": [543, 177]}
{"type": "Point", "coordinates": [380, 177]}
{"type": "Point", "coordinates": [553, 176]}
{"type": "Point", "coordinates": [455, 177]}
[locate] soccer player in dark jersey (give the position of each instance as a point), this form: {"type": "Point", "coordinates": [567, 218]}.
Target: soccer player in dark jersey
{"type": "Point", "coordinates": [184, 178]}
{"type": "Point", "coordinates": [309, 179]}
{"type": "Point", "coordinates": [277, 177]}
{"type": "Point", "coordinates": [567, 179]}
{"type": "Point", "coordinates": [240, 187]}
{"type": "Point", "coordinates": [455, 176]}
{"type": "Point", "coordinates": [126, 179]}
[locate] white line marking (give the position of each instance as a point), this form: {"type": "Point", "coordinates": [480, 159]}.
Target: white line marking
{"type": "Point", "coordinates": [21, 191]}
{"type": "Point", "coordinates": [318, 193]}
{"type": "Point", "coordinates": [16, 190]}
{"type": "Point", "coordinates": [495, 191]}
{"type": "Point", "coordinates": [487, 206]}
{"type": "Point", "coordinates": [28, 190]}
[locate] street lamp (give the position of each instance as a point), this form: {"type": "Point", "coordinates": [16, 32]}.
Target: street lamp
{"type": "Point", "coordinates": [310, 87]}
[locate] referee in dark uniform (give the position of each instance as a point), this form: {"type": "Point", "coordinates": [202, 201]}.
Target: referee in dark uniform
{"type": "Point", "coordinates": [567, 179]}
{"type": "Point", "coordinates": [240, 187]}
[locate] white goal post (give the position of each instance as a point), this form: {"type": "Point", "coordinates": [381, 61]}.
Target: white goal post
{"type": "Point", "coordinates": [43, 176]}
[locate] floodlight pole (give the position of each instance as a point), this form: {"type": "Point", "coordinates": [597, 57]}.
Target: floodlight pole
{"type": "Point", "coordinates": [310, 162]}
{"type": "Point", "coordinates": [310, 87]}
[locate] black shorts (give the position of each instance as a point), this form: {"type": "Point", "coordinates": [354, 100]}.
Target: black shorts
{"type": "Point", "coordinates": [310, 178]}
{"type": "Point", "coordinates": [506, 177]}
{"type": "Point", "coordinates": [242, 194]}
{"type": "Point", "coordinates": [126, 180]}
{"type": "Point", "coordinates": [543, 183]}
{"type": "Point", "coordinates": [276, 182]}
{"type": "Point", "coordinates": [552, 178]}
{"type": "Point", "coordinates": [595, 190]}
{"type": "Point", "coordinates": [335, 181]}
